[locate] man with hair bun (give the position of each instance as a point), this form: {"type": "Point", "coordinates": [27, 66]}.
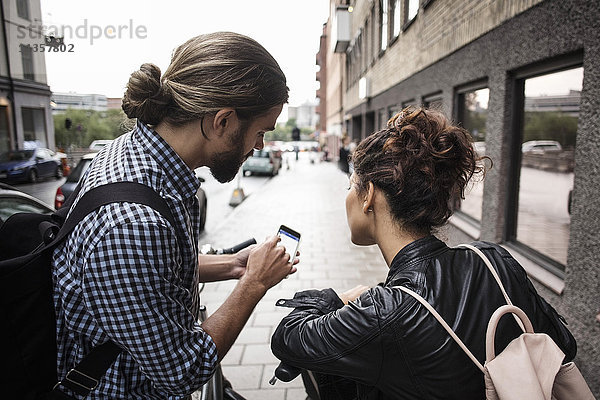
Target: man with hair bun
{"type": "Point", "coordinates": [125, 274]}
{"type": "Point", "coordinates": [381, 343]}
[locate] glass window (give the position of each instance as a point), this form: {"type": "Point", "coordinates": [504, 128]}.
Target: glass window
{"type": "Point", "coordinates": [396, 19]}
{"type": "Point", "coordinates": [472, 115]}
{"type": "Point", "coordinates": [34, 125]}
{"type": "Point", "coordinates": [4, 130]}
{"type": "Point", "coordinates": [411, 10]}
{"type": "Point", "coordinates": [383, 18]}
{"type": "Point", "coordinates": [12, 205]}
{"type": "Point", "coordinates": [551, 110]}
{"type": "Point", "coordinates": [79, 170]}
{"type": "Point", "coordinates": [23, 9]}
{"type": "Point", "coordinates": [434, 102]}
{"type": "Point", "coordinates": [27, 60]}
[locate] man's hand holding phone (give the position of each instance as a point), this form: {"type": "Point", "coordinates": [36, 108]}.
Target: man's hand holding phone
{"type": "Point", "coordinates": [268, 264]}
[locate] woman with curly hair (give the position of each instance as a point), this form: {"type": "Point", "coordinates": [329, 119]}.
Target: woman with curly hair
{"type": "Point", "coordinates": [382, 341]}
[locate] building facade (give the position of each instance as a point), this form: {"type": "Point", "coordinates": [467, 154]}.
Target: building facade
{"type": "Point", "coordinates": [305, 115]}
{"type": "Point", "coordinates": [523, 77]}
{"type": "Point", "coordinates": [25, 112]}
{"type": "Point", "coordinates": [79, 101]}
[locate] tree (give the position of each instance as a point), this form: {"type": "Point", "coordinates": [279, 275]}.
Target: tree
{"type": "Point", "coordinates": [88, 125]}
{"type": "Point", "coordinates": [550, 126]}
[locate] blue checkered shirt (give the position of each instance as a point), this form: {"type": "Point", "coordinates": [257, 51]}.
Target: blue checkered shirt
{"type": "Point", "coordinates": [125, 274]}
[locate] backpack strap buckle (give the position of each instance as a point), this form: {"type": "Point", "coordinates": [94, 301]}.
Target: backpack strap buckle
{"type": "Point", "coordinates": [78, 382]}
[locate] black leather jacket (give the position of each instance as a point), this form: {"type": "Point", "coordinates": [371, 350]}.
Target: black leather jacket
{"type": "Point", "coordinates": [393, 347]}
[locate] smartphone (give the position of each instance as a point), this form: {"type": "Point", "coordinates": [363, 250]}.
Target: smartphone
{"type": "Point", "coordinates": [290, 239]}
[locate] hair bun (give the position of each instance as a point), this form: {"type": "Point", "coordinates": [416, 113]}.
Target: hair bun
{"type": "Point", "coordinates": [146, 98]}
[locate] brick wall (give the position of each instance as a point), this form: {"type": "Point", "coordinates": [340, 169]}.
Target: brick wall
{"type": "Point", "coordinates": [438, 30]}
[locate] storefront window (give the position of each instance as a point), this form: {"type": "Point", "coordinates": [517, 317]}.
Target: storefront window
{"type": "Point", "coordinates": [473, 109]}
{"type": "Point", "coordinates": [550, 113]}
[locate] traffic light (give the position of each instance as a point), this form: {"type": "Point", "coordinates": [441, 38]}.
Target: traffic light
{"type": "Point", "coordinates": [296, 134]}
{"type": "Point", "coordinates": [68, 123]}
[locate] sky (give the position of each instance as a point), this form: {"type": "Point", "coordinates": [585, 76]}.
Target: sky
{"type": "Point", "coordinates": [110, 39]}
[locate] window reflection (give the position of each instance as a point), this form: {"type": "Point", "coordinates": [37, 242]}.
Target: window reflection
{"type": "Point", "coordinates": [412, 8]}
{"type": "Point", "coordinates": [473, 109]}
{"type": "Point", "coordinates": [551, 109]}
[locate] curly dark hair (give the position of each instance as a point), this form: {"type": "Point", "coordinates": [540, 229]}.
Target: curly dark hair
{"type": "Point", "coordinates": [420, 161]}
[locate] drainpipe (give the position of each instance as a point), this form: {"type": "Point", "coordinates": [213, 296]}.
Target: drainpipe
{"type": "Point", "coordinates": [10, 79]}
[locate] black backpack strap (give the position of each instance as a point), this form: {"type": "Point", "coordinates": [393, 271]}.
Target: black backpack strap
{"type": "Point", "coordinates": [116, 192]}
{"type": "Point", "coordinates": [85, 376]}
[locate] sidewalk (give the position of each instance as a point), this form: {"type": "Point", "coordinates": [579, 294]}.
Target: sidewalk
{"type": "Point", "coordinates": [309, 198]}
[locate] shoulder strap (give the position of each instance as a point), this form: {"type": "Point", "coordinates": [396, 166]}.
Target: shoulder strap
{"type": "Point", "coordinates": [441, 320]}
{"type": "Point", "coordinates": [116, 192]}
{"type": "Point", "coordinates": [491, 268]}
{"type": "Point", "coordinates": [85, 376]}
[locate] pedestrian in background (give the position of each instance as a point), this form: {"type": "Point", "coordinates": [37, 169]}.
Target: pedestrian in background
{"type": "Point", "coordinates": [125, 274]}
{"type": "Point", "coordinates": [384, 342]}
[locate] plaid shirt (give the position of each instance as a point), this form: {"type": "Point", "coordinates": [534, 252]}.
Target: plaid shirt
{"type": "Point", "coordinates": [125, 274]}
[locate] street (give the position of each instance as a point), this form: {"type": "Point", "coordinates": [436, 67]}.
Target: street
{"type": "Point", "coordinates": [309, 198]}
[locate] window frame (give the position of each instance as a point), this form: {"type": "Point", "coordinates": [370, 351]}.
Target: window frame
{"type": "Point", "coordinates": [384, 26]}
{"type": "Point", "coordinates": [406, 23]}
{"type": "Point", "coordinates": [517, 84]}
{"type": "Point", "coordinates": [27, 62]}
{"type": "Point", "coordinates": [397, 5]}
{"type": "Point", "coordinates": [23, 9]}
{"type": "Point", "coordinates": [458, 112]}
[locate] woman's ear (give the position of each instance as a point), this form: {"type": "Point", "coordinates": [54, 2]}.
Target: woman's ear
{"type": "Point", "coordinates": [369, 198]}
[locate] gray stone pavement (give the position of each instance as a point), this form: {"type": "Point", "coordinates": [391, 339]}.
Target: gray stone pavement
{"type": "Point", "coordinates": [309, 198]}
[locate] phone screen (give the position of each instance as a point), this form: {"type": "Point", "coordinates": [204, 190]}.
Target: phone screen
{"type": "Point", "coordinates": [290, 239]}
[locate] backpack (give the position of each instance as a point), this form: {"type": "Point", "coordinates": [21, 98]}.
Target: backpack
{"type": "Point", "coordinates": [27, 316]}
{"type": "Point", "coordinates": [530, 367]}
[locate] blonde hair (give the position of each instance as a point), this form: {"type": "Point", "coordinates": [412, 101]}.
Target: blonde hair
{"type": "Point", "coordinates": [207, 73]}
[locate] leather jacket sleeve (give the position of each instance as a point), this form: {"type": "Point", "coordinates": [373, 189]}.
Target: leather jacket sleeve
{"type": "Point", "coordinates": [324, 335]}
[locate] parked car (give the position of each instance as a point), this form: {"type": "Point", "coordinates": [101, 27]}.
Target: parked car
{"type": "Point", "coordinates": [540, 146]}
{"type": "Point", "coordinates": [98, 145]}
{"type": "Point", "coordinates": [265, 161]}
{"type": "Point", "coordinates": [30, 165]}
{"type": "Point", "coordinates": [64, 191]}
{"type": "Point", "coordinates": [13, 201]}
{"type": "Point", "coordinates": [67, 189]}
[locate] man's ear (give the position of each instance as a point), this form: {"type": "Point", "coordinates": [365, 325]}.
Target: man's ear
{"type": "Point", "coordinates": [224, 120]}
{"type": "Point", "coordinates": [369, 198]}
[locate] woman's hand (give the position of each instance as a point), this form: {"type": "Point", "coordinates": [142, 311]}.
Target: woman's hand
{"type": "Point", "coordinates": [353, 294]}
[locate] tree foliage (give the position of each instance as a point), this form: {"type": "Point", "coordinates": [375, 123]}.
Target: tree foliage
{"type": "Point", "coordinates": [283, 132]}
{"type": "Point", "coordinates": [88, 125]}
{"type": "Point", "coordinates": [550, 126]}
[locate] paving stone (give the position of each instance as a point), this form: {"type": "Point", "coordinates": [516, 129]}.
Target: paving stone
{"type": "Point", "coordinates": [272, 394]}
{"type": "Point", "coordinates": [243, 376]}
{"type": "Point", "coordinates": [295, 394]}
{"type": "Point", "coordinates": [258, 354]}
{"type": "Point", "coordinates": [234, 355]}
{"type": "Point", "coordinates": [250, 335]}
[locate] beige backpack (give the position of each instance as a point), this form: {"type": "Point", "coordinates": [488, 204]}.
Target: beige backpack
{"type": "Point", "coordinates": [530, 367]}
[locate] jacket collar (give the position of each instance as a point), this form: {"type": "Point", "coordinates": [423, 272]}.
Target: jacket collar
{"type": "Point", "coordinates": [420, 249]}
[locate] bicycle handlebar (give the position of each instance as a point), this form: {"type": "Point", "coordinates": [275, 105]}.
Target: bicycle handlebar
{"type": "Point", "coordinates": [238, 247]}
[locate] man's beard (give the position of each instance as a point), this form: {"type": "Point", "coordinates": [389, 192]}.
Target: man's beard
{"type": "Point", "coordinates": [225, 166]}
